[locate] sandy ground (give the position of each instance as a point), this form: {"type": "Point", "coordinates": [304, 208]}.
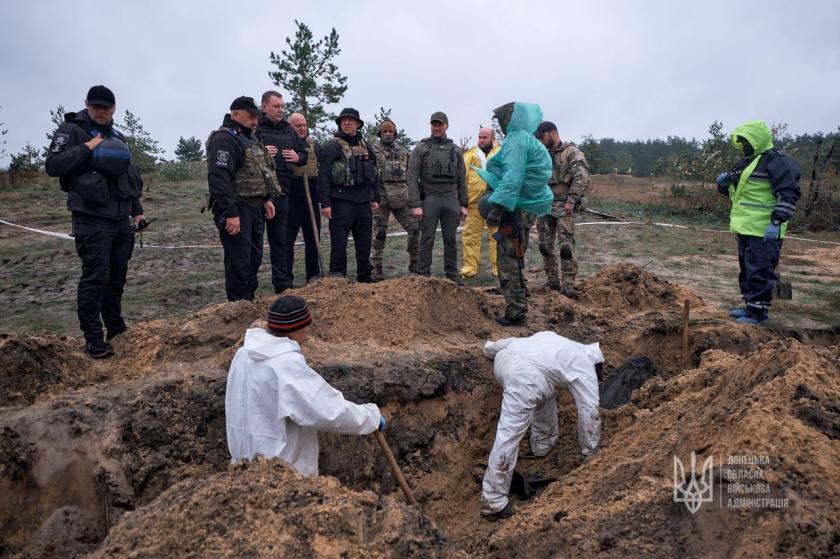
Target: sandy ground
{"type": "Point", "coordinates": [128, 458]}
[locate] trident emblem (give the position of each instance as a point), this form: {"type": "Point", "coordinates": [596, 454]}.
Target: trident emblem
{"type": "Point", "coordinates": [693, 492]}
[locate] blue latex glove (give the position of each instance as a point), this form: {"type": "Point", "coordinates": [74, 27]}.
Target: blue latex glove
{"type": "Point", "coordinates": [723, 181]}
{"type": "Point", "coordinates": [772, 232]}
{"type": "Point", "coordinates": [382, 423]}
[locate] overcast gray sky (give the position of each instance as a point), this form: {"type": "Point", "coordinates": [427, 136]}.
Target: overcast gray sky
{"type": "Point", "coordinates": [627, 70]}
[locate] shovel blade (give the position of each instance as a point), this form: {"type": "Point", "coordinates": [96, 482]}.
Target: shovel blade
{"type": "Point", "coordinates": [782, 290]}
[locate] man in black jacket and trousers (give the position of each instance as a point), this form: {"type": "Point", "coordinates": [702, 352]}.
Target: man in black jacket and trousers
{"type": "Point", "coordinates": [103, 195]}
{"type": "Point", "coordinates": [288, 150]}
{"type": "Point", "coordinates": [348, 191]}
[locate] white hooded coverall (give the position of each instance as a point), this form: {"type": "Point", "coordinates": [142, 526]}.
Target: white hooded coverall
{"type": "Point", "coordinates": [275, 404]}
{"type": "Point", "coordinates": [530, 370]}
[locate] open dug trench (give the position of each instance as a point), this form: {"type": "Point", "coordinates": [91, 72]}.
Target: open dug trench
{"type": "Point", "coordinates": [135, 464]}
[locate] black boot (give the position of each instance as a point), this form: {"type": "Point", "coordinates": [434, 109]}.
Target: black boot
{"type": "Point", "coordinates": [505, 321]}
{"type": "Point", "coordinates": [569, 290]}
{"type": "Point", "coordinates": [98, 349]}
{"type": "Point", "coordinates": [506, 512]}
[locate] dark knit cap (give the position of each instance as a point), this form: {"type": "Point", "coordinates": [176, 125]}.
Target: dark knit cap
{"type": "Point", "coordinates": [288, 314]}
{"type": "Point", "coordinates": [545, 126]}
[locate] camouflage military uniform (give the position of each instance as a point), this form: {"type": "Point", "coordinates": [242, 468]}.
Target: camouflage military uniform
{"type": "Point", "coordinates": [569, 183]}
{"type": "Point", "coordinates": [513, 286]}
{"type": "Point", "coordinates": [392, 164]}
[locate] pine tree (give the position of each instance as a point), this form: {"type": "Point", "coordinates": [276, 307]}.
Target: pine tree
{"type": "Point", "coordinates": [306, 70]}
{"type": "Point", "coordinates": [3, 132]}
{"type": "Point", "coordinates": [189, 149]}
{"type": "Point", "coordinates": [28, 159]}
{"type": "Point", "coordinates": [144, 149]}
{"type": "Point", "coordinates": [57, 118]}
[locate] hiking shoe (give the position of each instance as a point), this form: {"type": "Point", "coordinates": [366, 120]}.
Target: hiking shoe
{"type": "Point", "coordinates": [554, 286]}
{"type": "Point", "coordinates": [98, 349]}
{"type": "Point", "coordinates": [738, 312]}
{"type": "Point", "coordinates": [115, 332]}
{"type": "Point", "coordinates": [569, 291]}
{"type": "Point", "coordinates": [505, 321]}
{"type": "Point", "coordinates": [368, 279]}
{"type": "Point", "coordinates": [752, 319]}
{"type": "Point", "coordinates": [506, 512]}
{"type": "Point", "coordinates": [455, 279]}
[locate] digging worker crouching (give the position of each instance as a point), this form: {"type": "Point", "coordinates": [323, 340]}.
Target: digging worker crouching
{"type": "Point", "coordinates": [473, 231]}
{"type": "Point", "coordinates": [242, 181]}
{"type": "Point", "coordinates": [517, 178]}
{"type": "Point", "coordinates": [569, 182]}
{"type": "Point", "coordinates": [437, 193]}
{"type": "Point", "coordinates": [530, 371]}
{"type": "Point", "coordinates": [764, 189]}
{"type": "Point", "coordinates": [103, 188]}
{"type": "Point", "coordinates": [275, 404]}
{"type": "Point", "coordinates": [392, 163]}
{"type": "Point", "coordinates": [348, 191]}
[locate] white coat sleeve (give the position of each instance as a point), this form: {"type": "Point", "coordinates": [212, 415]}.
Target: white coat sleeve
{"type": "Point", "coordinates": [492, 348]}
{"type": "Point", "coordinates": [315, 404]}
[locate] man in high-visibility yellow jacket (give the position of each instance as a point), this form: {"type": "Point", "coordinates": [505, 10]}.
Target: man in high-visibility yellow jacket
{"type": "Point", "coordinates": [474, 226]}
{"type": "Point", "coordinates": [764, 189]}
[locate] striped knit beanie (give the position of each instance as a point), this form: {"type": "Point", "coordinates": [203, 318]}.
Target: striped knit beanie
{"type": "Point", "coordinates": [288, 314]}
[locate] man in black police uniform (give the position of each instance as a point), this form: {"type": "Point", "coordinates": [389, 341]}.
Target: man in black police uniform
{"type": "Point", "coordinates": [103, 193]}
{"type": "Point", "coordinates": [348, 191]}
{"type": "Point", "coordinates": [242, 181]}
{"type": "Point", "coordinates": [288, 150]}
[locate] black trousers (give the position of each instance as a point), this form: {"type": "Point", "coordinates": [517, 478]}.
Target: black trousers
{"type": "Point", "coordinates": [243, 252]}
{"type": "Point", "coordinates": [280, 244]}
{"type": "Point", "coordinates": [105, 257]}
{"type": "Point", "coordinates": [347, 218]}
{"type": "Point", "coordinates": [299, 219]}
{"type": "Point", "coordinates": [757, 260]}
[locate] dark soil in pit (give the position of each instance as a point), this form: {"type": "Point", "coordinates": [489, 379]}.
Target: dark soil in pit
{"type": "Point", "coordinates": [134, 454]}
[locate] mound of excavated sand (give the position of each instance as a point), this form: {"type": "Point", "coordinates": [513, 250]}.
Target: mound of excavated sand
{"type": "Point", "coordinates": [33, 363]}
{"type": "Point", "coordinates": [780, 403]}
{"type": "Point", "coordinates": [265, 509]}
{"type": "Point", "coordinates": [631, 288]}
{"type": "Point", "coordinates": [396, 312]}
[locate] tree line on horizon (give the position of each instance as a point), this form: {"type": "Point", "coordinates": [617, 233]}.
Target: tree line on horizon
{"type": "Point", "coordinates": [305, 70]}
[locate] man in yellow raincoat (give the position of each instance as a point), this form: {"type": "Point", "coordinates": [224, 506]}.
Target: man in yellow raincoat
{"type": "Point", "coordinates": [474, 226]}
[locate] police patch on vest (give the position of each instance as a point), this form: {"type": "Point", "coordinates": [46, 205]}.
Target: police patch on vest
{"type": "Point", "coordinates": [59, 142]}
{"type": "Point", "coordinates": [222, 158]}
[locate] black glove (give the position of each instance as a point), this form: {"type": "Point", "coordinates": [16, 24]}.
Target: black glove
{"type": "Point", "coordinates": [494, 216]}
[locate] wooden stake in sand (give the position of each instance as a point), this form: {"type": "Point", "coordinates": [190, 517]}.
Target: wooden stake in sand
{"type": "Point", "coordinates": [686, 357]}
{"type": "Point", "coordinates": [395, 469]}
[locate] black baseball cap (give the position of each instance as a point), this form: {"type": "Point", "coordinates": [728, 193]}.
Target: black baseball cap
{"type": "Point", "coordinates": [245, 104]}
{"type": "Point", "coordinates": [101, 96]}
{"type": "Point", "coordinates": [545, 126]}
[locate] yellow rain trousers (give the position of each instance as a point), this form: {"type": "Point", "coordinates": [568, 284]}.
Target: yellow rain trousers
{"type": "Point", "coordinates": [474, 225]}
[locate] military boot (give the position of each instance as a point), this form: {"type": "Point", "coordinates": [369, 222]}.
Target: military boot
{"type": "Point", "coordinates": [377, 272]}
{"type": "Point", "coordinates": [569, 290]}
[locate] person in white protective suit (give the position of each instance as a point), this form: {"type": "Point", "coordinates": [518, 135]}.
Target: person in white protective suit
{"type": "Point", "coordinates": [530, 370]}
{"type": "Point", "coordinates": [275, 404]}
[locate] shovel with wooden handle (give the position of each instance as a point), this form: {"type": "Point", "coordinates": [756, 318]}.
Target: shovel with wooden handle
{"type": "Point", "coordinates": [782, 290]}
{"type": "Point", "coordinates": [395, 469]}
{"type": "Point", "coordinates": [315, 231]}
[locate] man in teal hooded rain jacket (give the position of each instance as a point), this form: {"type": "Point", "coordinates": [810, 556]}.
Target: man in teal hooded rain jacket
{"type": "Point", "coordinates": [518, 180]}
{"type": "Point", "coordinates": [764, 189]}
